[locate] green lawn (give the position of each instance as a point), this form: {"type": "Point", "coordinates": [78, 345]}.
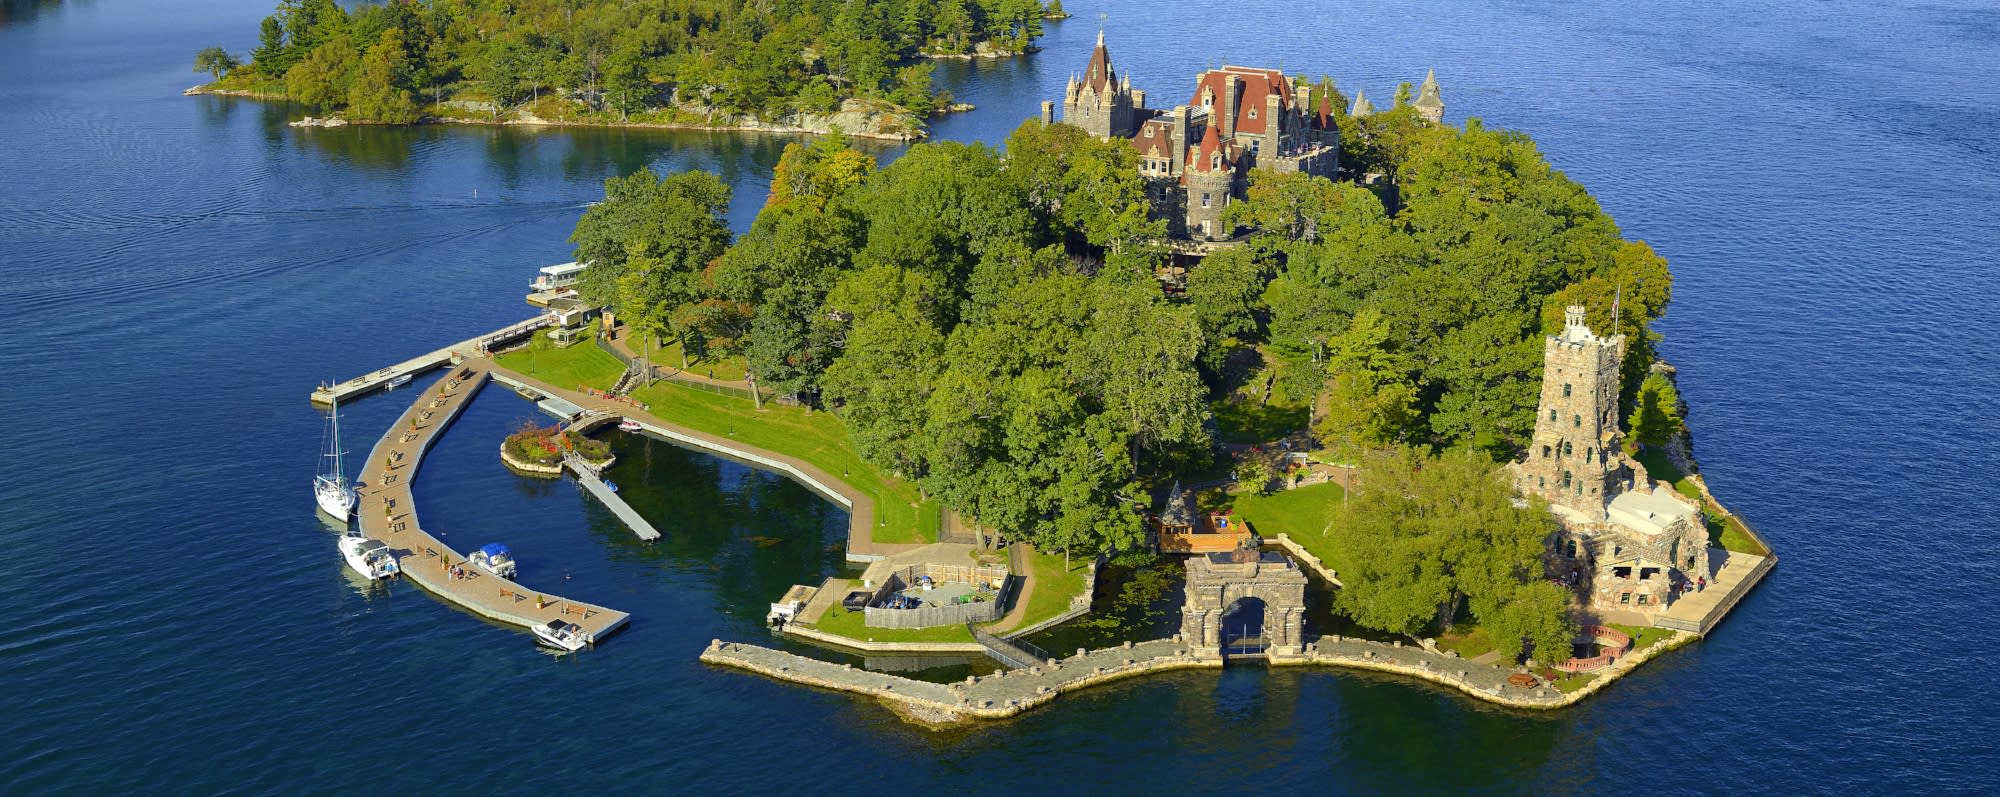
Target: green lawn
{"type": "Point", "coordinates": [852, 625]}
{"type": "Point", "coordinates": [1248, 422]}
{"type": "Point", "coordinates": [902, 516]}
{"type": "Point", "coordinates": [1467, 640]}
{"type": "Point", "coordinates": [1644, 636]}
{"type": "Point", "coordinates": [1571, 682]}
{"type": "Point", "coordinates": [726, 369]}
{"type": "Point", "coordinates": [1723, 530]}
{"type": "Point", "coordinates": [582, 363]}
{"type": "Point", "coordinates": [1054, 586]}
{"type": "Point", "coordinates": [1301, 513]}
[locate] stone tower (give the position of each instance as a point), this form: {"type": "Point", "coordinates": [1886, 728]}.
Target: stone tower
{"type": "Point", "coordinates": [1573, 459]}
{"type": "Point", "coordinates": [1361, 105]}
{"type": "Point", "coordinates": [1430, 104]}
{"type": "Point", "coordinates": [1100, 102]}
{"type": "Point", "coordinates": [1211, 179]}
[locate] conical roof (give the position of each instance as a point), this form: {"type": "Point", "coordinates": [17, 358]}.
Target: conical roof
{"type": "Point", "coordinates": [1361, 106]}
{"type": "Point", "coordinates": [1428, 97]}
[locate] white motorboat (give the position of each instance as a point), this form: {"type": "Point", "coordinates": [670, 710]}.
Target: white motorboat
{"type": "Point", "coordinates": [371, 558]}
{"type": "Point", "coordinates": [561, 634]}
{"type": "Point", "coordinates": [496, 559]}
{"type": "Point", "coordinates": [331, 489]}
{"type": "Point", "coordinates": [629, 425]}
{"type": "Point", "coordinates": [397, 382]}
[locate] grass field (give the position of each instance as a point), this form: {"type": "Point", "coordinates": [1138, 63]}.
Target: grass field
{"type": "Point", "coordinates": [1054, 586]}
{"type": "Point", "coordinates": [852, 625]}
{"type": "Point", "coordinates": [902, 515]}
{"type": "Point", "coordinates": [1723, 530]}
{"type": "Point", "coordinates": [581, 364]}
{"type": "Point", "coordinates": [1468, 640]}
{"type": "Point", "coordinates": [1301, 513]}
{"type": "Point", "coordinates": [1644, 636]}
{"type": "Point", "coordinates": [725, 369]}
{"type": "Point", "coordinates": [1248, 422]}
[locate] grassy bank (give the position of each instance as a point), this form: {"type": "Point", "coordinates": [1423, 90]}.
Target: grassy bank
{"type": "Point", "coordinates": [853, 626]}
{"type": "Point", "coordinates": [1302, 513]}
{"type": "Point", "coordinates": [902, 514]}
{"type": "Point", "coordinates": [1054, 585]}
{"type": "Point", "coordinates": [1723, 529]}
{"type": "Point", "coordinates": [581, 364]}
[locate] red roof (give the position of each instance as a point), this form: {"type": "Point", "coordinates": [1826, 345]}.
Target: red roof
{"type": "Point", "coordinates": [1154, 146]}
{"type": "Point", "coordinates": [1098, 74]}
{"type": "Point", "coordinates": [1200, 158]}
{"type": "Point", "coordinates": [1257, 85]}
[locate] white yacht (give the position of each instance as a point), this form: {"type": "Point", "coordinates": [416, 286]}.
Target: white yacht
{"type": "Point", "coordinates": [629, 425]}
{"type": "Point", "coordinates": [496, 559]}
{"type": "Point", "coordinates": [561, 634]}
{"type": "Point", "coordinates": [331, 489]}
{"type": "Point", "coordinates": [371, 558]}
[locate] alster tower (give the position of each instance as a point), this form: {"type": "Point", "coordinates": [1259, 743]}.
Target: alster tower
{"type": "Point", "coordinates": [1573, 460]}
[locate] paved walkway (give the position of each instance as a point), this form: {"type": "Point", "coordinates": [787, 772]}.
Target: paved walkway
{"type": "Point", "coordinates": [387, 512]}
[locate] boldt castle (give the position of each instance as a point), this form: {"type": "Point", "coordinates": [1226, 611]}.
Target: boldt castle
{"type": "Point", "coordinates": [1198, 156]}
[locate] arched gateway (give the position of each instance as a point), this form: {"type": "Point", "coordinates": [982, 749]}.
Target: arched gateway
{"type": "Point", "coordinates": [1218, 582]}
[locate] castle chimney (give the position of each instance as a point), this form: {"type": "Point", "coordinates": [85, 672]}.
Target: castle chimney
{"type": "Point", "coordinates": [1229, 97]}
{"type": "Point", "coordinates": [1048, 112]}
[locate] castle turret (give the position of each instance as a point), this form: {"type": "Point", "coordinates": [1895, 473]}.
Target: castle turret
{"type": "Point", "coordinates": [1361, 107]}
{"type": "Point", "coordinates": [1098, 101]}
{"type": "Point", "coordinates": [1573, 459]}
{"type": "Point", "coordinates": [1430, 104]}
{"type": "Point", "coordinates": [1210, 178]}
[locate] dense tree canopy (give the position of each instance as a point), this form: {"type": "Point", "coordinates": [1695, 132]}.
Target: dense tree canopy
{"type": "Point", "coordinates": [733, 56]}
{"type": "Point", "coordinates": [1430, 536]}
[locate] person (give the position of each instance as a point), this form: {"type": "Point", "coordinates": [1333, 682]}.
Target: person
{"type": "Point", "coordinates": [1701, 583]}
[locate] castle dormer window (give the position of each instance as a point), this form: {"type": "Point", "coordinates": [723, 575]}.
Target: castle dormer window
{"type": "Point", "coordinates": [1149, 131]}
{"type": "Point", "coordinates": [1215, 161]}
{"type": "Point", "coordinates": [1253, 113]}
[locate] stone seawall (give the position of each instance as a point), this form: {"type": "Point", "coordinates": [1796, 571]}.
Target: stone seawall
{"type": "Point", "coordinates": [1009, 693]}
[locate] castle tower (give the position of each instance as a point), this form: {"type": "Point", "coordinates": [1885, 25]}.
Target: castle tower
{"type": "Point", "coordinates": [1210, 178]}
{"type": "Point", "coordinates": [1430, 104]}
{"type": "Point", "coordinates": [1361, 107]}
{"type": "Point", "coordinates": [1098, 101]}
{"type": "Point", "coordinates": [1571, 460]}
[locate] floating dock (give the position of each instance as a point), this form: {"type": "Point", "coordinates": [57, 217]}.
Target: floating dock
{"type": "Point", "coordinates": [455, 353]}
{"type": "Point", "coordinates": [605, 495]}
{"type": "Point", "coordinates": [388, 513]}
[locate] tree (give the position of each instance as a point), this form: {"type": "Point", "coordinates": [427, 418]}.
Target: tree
{"type": "Point", "coordinates": [323, 78]}
{"type": "Point", "coordinates": [379, 93]}
{"type": "Point", "coordinates": [215, 61]}
{"type": "Point", "coordinates": [1427, 535]}
{"type": "Point", "coordinates": [1371, 402]}
{"type": "Point", "coordinates": [1656, 415]}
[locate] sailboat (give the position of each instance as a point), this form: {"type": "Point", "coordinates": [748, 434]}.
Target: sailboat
{"type": "Point", "coordinates": [336, 497]}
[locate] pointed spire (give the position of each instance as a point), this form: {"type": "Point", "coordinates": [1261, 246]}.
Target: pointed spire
{"type": "Point", "coordinates": [1361, 106]}
{"type": "Point", "coordinates": [1429, 102]}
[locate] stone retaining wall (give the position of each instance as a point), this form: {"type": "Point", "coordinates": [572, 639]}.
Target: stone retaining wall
{"type": "Point", "coordinates": [1009, 693]}
{"type": "Point", "coordinates": [1305, 557]}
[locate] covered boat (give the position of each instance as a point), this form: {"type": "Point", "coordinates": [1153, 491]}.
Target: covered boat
{"type": "Point", "coordinates": [494, 558]}
{"type": "Point", "coordinates": [561, 634]}
{"type": "Point", "coordinates": [371, 558]}
{"type": "Point", "coordinates": [628, 425]}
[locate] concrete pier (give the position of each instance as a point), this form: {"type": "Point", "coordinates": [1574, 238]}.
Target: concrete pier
{"type": "Point", "coordinates": [456, 352]}
{"type": "Point", "coordinates": [388, 513]}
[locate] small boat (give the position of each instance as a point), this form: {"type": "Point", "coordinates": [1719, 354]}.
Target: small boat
{"type": "Point", "coordinates": [496, 559]}
{"type": "Point", "coordinates": [629, 425]}
{"type": "Point", "coordinates": [371, 558]}
{"type": "Point", "coordinates": [610, 485]}
{"type": "Point", "coordinates": [397, 382]}
{"type": "Point", "coordinates": [561, 634]}
{"type": "Point", "coordinates": [331, 490]}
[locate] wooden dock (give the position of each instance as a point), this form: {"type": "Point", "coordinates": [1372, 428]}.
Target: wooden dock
{"type": "Point", "coordinates": [609, 498]}
{"type": "Point", "coordinates": [455, 353]}
{"type": "Point", "coordinates": [388, 513]}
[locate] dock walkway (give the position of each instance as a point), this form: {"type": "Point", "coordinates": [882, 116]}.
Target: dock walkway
{"type": "Point", "coordinates": [388, 513]}
{"type": "Point", "coordinates": [456, 352]}
{"type": "Point", "coordinates": [609, 498]}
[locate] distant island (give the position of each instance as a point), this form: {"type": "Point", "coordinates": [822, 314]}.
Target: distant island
{"type": "Point", "coordinates": [813, 66]}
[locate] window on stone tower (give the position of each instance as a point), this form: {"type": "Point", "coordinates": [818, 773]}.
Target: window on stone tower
{"type": "Point", "coordinates": [1571, 548]}
{"type": "Point", "coordinates": [1566, 480]}
{"type": "Point", "coordinates": [1579, 422]}
{"type": "Point", "coordinates": [1545, 451]}
{"type": "Point", "coordinates": [1565, 391]}
{"type": "Point", "coordinates": [1587, 452]}
{"type": "Point", "coordinates": [1624, 597]}
{"type": "Point", "coordinates": [1552, 415]}
{"type": "Point", "coordinates": [1569, 449]}
{"type": "Point", "coordinates": [1204, 199]}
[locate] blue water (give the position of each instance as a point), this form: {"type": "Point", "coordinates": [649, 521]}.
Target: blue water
{"type": "Point", "coordinates": [178, 272]}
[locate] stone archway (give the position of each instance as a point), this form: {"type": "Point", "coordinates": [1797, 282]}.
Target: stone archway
{"type": "Point", "coordinates": [1218, 582]}
{"type": "Point", "coordinates": [1243, 626]}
